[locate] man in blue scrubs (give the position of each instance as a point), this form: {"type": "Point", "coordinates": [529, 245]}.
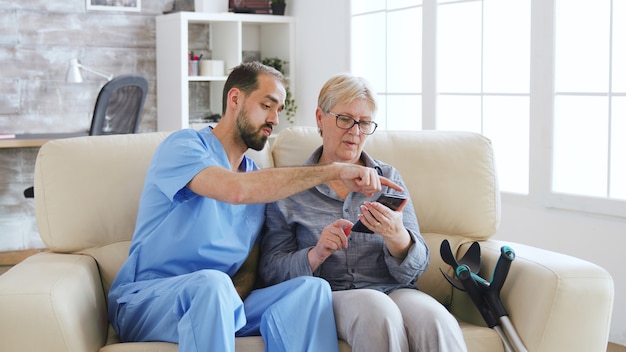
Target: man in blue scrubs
{"type": "Point", "coordinates": [192, 264]}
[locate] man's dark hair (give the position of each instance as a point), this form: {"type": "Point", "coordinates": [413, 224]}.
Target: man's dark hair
{"type": "Point", "coordinates": [245, 77]}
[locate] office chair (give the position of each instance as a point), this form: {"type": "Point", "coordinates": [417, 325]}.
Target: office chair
{"type": "Point", "coordinates": [119, 105]}
{"type": "Point", "coordinates": [118, 108]}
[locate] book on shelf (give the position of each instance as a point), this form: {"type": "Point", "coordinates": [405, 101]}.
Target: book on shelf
{"type": "Point", "coordinates": [7, 135]}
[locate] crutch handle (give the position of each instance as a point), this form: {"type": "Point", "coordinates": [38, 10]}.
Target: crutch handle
{"type": "Point", "coordinates": [500, 272]}
{"type": "Point", "coordinates": [507, 255]}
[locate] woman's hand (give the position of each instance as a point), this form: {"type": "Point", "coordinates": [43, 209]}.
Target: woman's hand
{"type": "Point", "coordinates": [388, 224]}
{"type": "Point", "coordinates": [334, 237]}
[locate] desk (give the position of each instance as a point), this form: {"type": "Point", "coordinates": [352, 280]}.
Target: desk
{"type": "Point", "coordinates": [11, 258]}
{"type": "Point", "coordinates": [36, 139]}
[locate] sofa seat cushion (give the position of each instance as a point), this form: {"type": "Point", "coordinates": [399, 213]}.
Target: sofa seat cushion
{"type": "Point", "coordinates": [243, 344]}
{"type": "Point", "coordinates": [477, 338]}
{"type": "Point", "coordinates": [248, 344]}
{"type": "Point", "coordinates": [481, 338]}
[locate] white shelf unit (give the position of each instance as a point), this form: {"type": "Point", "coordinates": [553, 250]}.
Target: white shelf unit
{"type": "Point", "coordinates": [223, 36]}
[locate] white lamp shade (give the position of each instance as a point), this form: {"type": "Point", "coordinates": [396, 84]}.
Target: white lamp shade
{"type": "Point", "coordinates": [73, 72]}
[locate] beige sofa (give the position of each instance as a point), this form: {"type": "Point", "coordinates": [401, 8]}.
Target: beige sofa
{"type": "Point", "coordinates": [87, 191]}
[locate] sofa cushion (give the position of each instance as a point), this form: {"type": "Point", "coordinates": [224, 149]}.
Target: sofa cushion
{"type": "Point", "coordinates": [87, 189]}
{"type": "Point", "coordinates": [450, 175]}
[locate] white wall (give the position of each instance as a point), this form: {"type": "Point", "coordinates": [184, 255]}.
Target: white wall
{"type": "Point", "coordinates": [598, 239]}
{"type": "Point", "coordinates": [323, 49]}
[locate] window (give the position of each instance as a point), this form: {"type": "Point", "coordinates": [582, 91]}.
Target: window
{"type": "Point", "coordinates": [388, 60]}
{"type": "Point", "coordinates": [483, 74]}
{"type": "Point", "coordinates": [590, 99]}
{"type": "Point", "coordinates": [551, 97]}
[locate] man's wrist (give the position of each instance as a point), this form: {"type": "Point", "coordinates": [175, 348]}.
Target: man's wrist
{"type": "Point", "coordinates": [332, 171]}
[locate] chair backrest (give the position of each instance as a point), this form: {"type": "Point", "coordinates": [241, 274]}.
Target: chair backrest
{"type": "Point", "coordinates": [119, 105]}
{"type": "Point", "coordinates": [118, 109]}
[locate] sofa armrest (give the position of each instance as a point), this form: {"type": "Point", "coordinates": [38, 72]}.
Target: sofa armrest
{"type": "Point", "coordinates": [555, 302]}
{"type": "Point", "coordinates": [53, 302]}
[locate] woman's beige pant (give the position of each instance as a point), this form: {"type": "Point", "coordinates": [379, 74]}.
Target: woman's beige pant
{"type": "Point", "coordinates": [405, 320]}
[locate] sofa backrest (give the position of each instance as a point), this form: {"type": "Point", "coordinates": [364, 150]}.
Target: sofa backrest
{"type": "Point", "coordinates": [450, 175]}
{"type": "Point", "coordinates": [87, 189]}
{"type": "Point", "coordinates": [451, 178]}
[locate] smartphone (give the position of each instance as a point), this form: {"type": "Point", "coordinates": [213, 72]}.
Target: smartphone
{"type": "Point", "coordinates": [390, 201]}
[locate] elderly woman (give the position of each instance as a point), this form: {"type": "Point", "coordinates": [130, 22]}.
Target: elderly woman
{"type": "Point", "coordinates": [376, 302]}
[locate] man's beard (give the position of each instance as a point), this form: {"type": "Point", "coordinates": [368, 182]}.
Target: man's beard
{"type": "Point", "coordinates": [252, 137]}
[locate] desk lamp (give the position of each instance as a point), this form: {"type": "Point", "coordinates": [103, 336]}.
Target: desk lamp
{"type": "Point", "coordinates": [73, 72]}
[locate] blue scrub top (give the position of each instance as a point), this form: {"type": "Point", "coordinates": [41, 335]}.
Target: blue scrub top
{"type": "Point", "coordinates": [178, 231]}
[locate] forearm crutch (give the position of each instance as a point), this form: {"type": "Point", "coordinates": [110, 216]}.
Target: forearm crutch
{"type": "Point", "coordinates": [485, 295]}
{"type": "Point", "coordinates": [476, 295]}
{"type": "Point", "coordinates": [492, 294]}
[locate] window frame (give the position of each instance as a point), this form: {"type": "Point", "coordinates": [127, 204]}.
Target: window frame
{"type": "Point", "coordinates": [541, 111]}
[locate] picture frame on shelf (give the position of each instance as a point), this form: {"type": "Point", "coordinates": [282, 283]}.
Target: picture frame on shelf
{"type": "Point", "coordinates": [249, 6]}
{"type": "Point", "coordinates": [113, 5]}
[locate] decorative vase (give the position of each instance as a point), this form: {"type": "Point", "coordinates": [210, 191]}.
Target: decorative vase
{"type": "Point", "coordinates": [278, 8]}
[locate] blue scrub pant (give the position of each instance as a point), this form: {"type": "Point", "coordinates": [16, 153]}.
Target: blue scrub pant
{"type": "Point", "coordinates": [202, 312]}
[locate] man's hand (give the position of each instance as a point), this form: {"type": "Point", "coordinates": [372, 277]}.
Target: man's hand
{"type": "Point", "coordinates": [364, 179]}
{"type": "Point", "coordinates": [332, 239]}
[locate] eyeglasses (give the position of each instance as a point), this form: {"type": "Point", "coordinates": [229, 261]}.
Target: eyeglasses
{"type": "Point", "coordinates": [346, 122]}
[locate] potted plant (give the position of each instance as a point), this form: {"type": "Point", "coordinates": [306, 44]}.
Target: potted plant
{"type": "Point", "coordinates": [290, 103]}
{"type": "Point", "coordinates": [278, 7]}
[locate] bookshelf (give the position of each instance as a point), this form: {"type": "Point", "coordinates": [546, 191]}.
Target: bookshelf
{"type": "Point", "coordinates": [184, 100]}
